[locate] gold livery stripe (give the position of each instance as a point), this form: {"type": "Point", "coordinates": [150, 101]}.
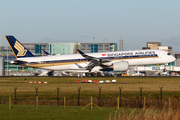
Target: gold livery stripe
{"type": "Point", "coordinates": [20, 48]}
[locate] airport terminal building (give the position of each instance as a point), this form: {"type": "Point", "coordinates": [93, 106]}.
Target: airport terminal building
{"type": "Point", "coordinates": [98, 47]}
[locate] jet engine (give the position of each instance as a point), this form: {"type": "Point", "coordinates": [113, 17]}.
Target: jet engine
{"type": "Point", "coordinates": [120, 66]}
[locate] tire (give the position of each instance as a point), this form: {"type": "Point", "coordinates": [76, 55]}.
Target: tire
{"type": "Point", "coordinates": [106, 74]}
{"type": "Point", "coordinates": [98, 74]}
{"type": "Point", "coordinates": [93, 74]}
{"type": "Point", "coordinates": [87, 74]}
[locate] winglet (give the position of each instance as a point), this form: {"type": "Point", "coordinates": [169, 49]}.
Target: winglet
{"type": "Point", "coordinates": [45, 52]}
{"type": "Point", "coordinates": [83, 54]}
{"type": "Point", "coordinates": [80, 52]}
{"type": "Point", "coordinates": [18, 49]}
{"type": "Point", "coordinates": [90, 58]}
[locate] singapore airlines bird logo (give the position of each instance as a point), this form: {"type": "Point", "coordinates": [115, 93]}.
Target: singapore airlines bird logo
{"type": "Point", "coordinates": [20, 48]}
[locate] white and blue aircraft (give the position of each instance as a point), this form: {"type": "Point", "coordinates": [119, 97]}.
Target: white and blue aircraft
{"type": "Point", "coordinates": [90, 63]}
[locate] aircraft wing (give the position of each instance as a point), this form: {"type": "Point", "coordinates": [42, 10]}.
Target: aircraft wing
{"type": "Point", "coordinates": [93, 60]}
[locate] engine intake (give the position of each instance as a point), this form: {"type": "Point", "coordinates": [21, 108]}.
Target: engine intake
{"type": "Point", "coordinates": [120, 66]}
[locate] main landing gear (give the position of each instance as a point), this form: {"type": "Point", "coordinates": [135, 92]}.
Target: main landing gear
{"type": "Point", "coordinates": [93, 74]}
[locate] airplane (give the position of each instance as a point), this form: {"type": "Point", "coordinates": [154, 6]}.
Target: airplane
{"type": "Point", "coordinates": [92, 64]}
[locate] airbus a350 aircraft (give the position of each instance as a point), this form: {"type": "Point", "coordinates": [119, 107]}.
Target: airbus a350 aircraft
{"type": "Point", "coordinates": [91, 63]}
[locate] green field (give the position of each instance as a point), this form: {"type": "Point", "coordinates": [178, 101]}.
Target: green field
{"type": "Point", "coordinates": [68, 86]}
{"type": "Point", "coordinates": [29, 112]}
{"type": "Point", "coordinates": [47, 93]}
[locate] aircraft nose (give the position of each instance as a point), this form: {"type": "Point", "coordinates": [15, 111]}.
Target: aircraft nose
{"type": "Point", "coordinates": [174, 59]}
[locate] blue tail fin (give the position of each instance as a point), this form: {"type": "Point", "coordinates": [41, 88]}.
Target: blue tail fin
{"type": "Point", "coordinates": [18, 49]}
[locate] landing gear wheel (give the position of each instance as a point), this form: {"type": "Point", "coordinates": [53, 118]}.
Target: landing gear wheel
{"type": "Point", "coordinates": [93, 74]}
{"type": "Point", "coordinates": [110, 74]}
{"type": "Point", "coordinates": [106, 74]}
{"type": "Point", "coordinates": [98, 74]}
{"type": "Point", "coordinates": [87, 74]}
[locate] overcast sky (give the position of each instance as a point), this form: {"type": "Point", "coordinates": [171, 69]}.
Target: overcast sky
{"type": "Point", "coordinates": [137, 21]}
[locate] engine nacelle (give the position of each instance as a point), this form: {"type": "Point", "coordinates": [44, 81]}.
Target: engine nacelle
{"type": "Point", "coordinates": [120, 66]}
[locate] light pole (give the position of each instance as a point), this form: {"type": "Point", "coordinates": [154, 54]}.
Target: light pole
{"type": "Point", "coordinates": [105, 44]}
{"type": "Point", "coordinates": [93, 44]}
{"type": "Point", "coordinates": [171, 47]}
{"type": "Point", "coordinates": [0, 44]}
{"type": "Point", "coordinates": [7, 64]}
{"type": "Point", "coordinates": [171, 42]}
{"type": "Point", "coordinates": [39, 49]}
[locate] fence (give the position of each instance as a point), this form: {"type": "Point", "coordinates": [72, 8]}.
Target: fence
{"type": "Point", "coordinates": [103, 102]}
{"type": "Point", "coordinates": [139, 102]}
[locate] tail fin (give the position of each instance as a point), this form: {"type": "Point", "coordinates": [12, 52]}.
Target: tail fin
{"type": "Point", "coordinates": [18, 49]}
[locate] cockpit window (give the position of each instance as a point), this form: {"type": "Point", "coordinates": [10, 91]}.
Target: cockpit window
{"type": "Point", "coordinates": [168, 54]}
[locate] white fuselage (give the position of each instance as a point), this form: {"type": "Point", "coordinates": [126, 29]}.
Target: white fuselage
{"type": "Point", "coordinates": [77, 62]}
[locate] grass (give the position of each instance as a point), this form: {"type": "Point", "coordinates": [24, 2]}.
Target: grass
{"type": "Point", "coordinates": [68, 83]}
{"type": "Point", "coordinates": [68, 87]}
{"type": "Point", "coordinates": [147, 114]}
{"type": "Point", "coordinates": [29, 112]}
